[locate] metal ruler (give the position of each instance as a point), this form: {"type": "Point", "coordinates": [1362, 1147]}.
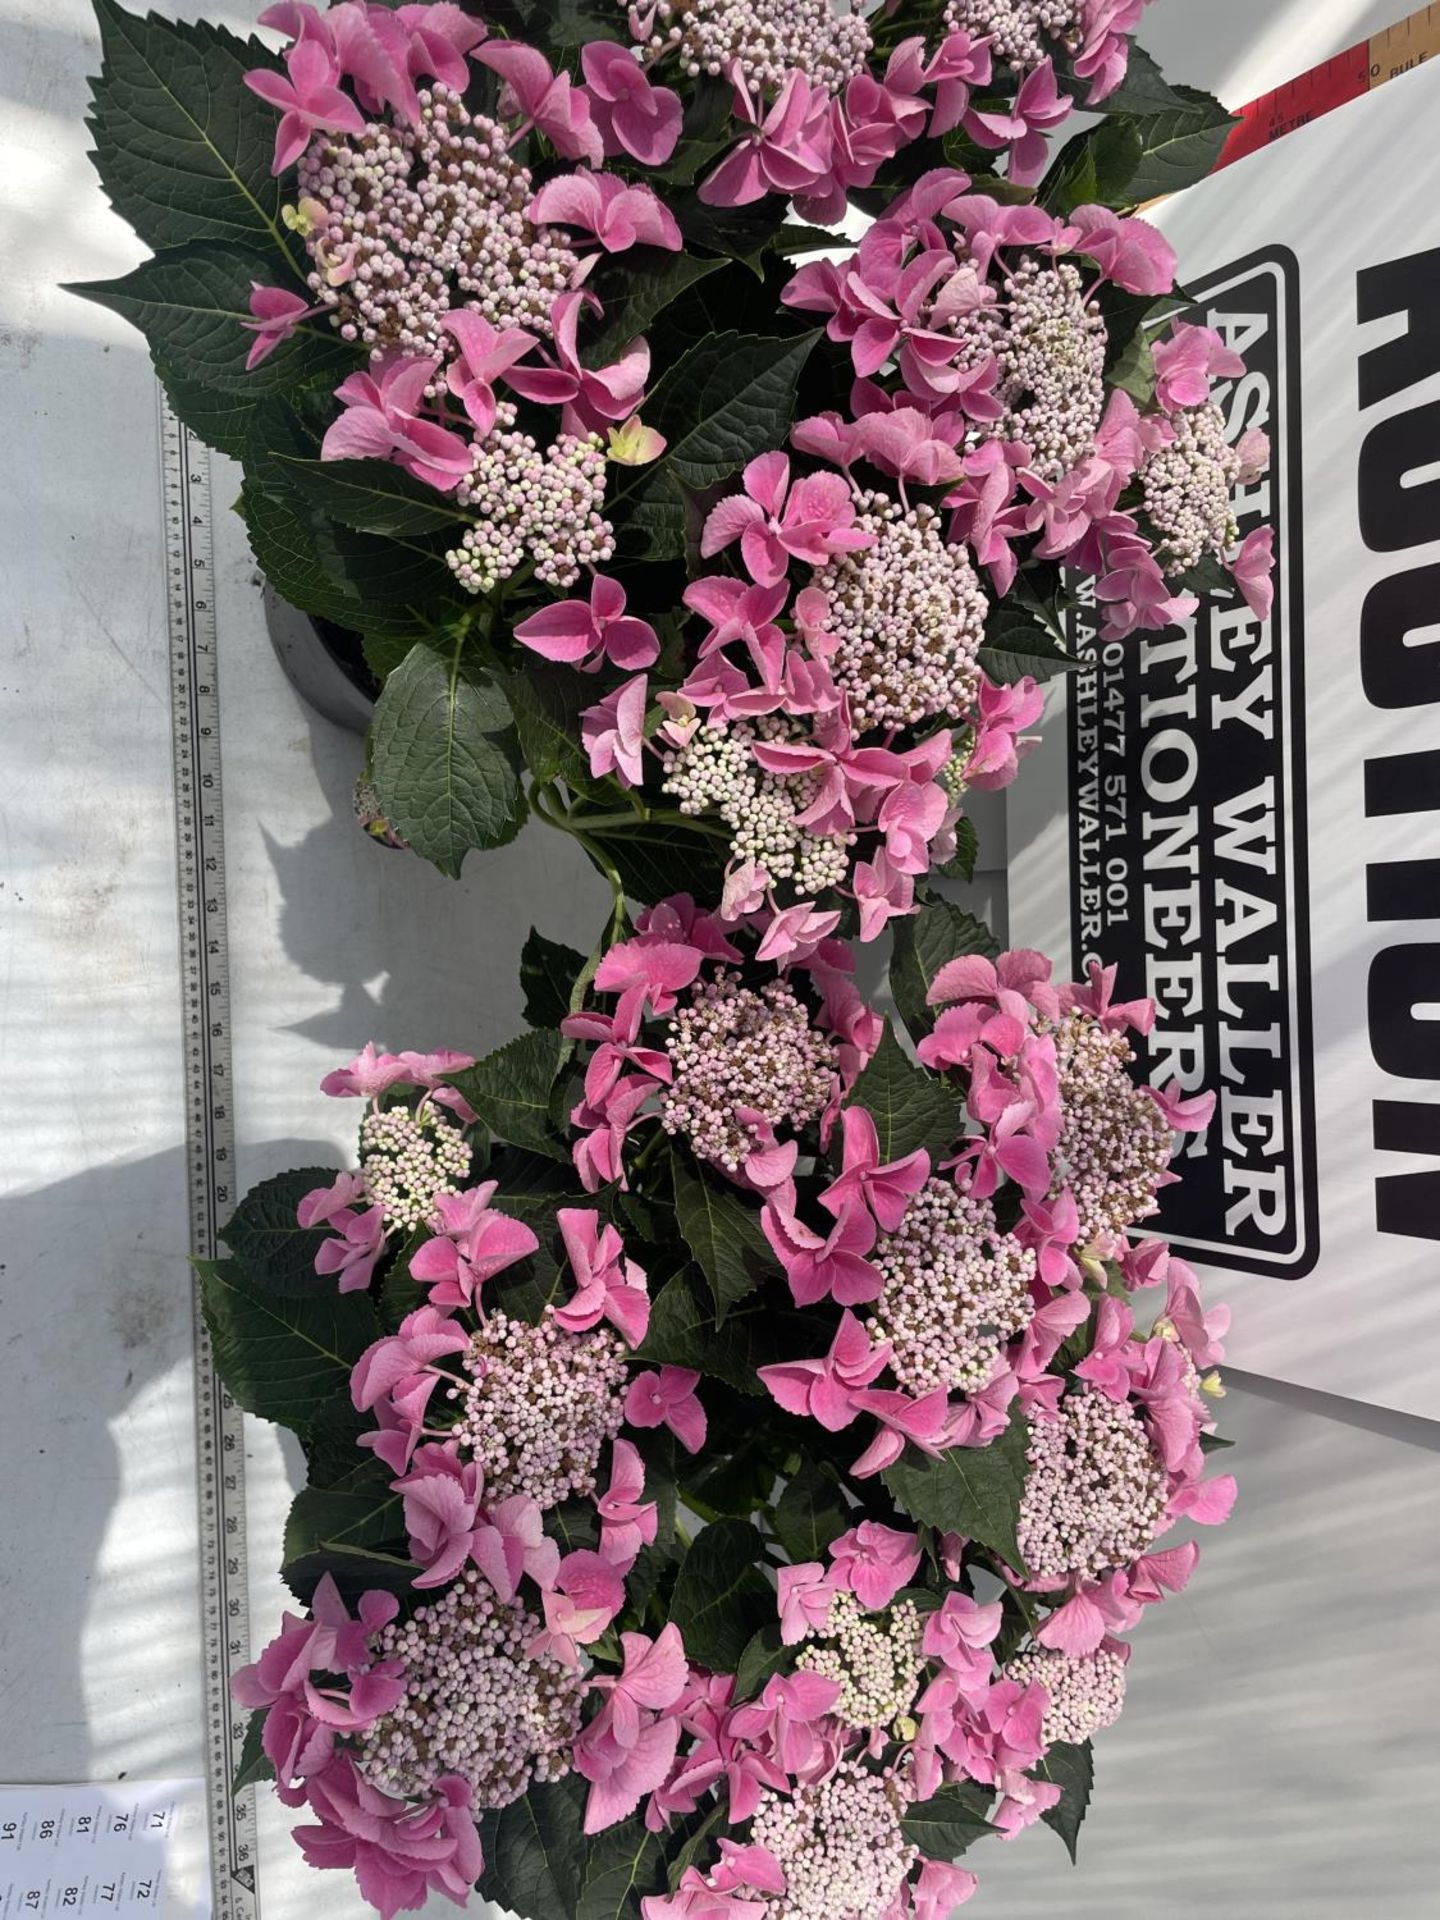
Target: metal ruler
{"type": "Point", "coordinates": [209, 1137]}
{"type": "Point", "coordinates": [1360, 69]}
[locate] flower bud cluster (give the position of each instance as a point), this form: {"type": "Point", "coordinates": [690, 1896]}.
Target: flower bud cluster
{"type": "Point", "coordinates": [1115, 1143]}
{"type": "Point", "coordinates": [874, 1657]}
{"type": "Point", "coordinates": [956, 1289]}
{"type": "Point", "coordinates": [839, 1844]}
{"type": "Point", "coordinates": [407, 1159]}
{"type": "Point", "coordinates": [544, 507]}
{"type": "Point", "coordinates": [1086, 1691]}
{"type": "Point", "coordinates": [733, 1047]}
{"type": "Point", "coordinates": [1095, 1495]}
{"type": "Point", "coordinates": [412, 213]}
{"type": "Point", "coordinates": [716, 772]}
{"type": "Point", "coordinates": [1052, 365]}
{"type": "Point", "coordinates": [475, 1703]}
{"type": "Point", "coordinates": [542, 1406]}
{"type": "Point", "coordinates": [908, 616]}
{"type": "Point", "coordinates": [1022, 33]}
{"type": "Point", "coordinates": [768, 39]}
{"type": "Point", "coordinates": [1188, 490]}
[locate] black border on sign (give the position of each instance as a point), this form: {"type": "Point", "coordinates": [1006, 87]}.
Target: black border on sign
{"type": "Point", "coordinates": [1290, 619]}
{"type": "Point", "coordinates": [1292, 612]}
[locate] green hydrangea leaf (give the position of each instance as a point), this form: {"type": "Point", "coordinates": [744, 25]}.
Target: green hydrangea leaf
{"type": "Point", "coordinates": [444, 757]}
{"type": "Point", "coordinates": [975, 1491]}
{"type": "Point", "coordinates": [910, 1107]}
{"type": "Point", "coordinates": [282, 1355]}
{"type": "Point", "coordinates": [182, 146]}
{"type": "Point", "coordinates": [268, 1241]}
{"type": "Point", "coordinates": [721, 1597]}
{"type": "Point", "coordinates": [924, 943]}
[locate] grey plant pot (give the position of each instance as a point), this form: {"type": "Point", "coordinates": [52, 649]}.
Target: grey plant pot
{"type": "Point", "coordinates": [323, 663]}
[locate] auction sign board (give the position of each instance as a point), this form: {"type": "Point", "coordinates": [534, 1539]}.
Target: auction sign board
{"type": "Point", "coordinates": [1244, 815]}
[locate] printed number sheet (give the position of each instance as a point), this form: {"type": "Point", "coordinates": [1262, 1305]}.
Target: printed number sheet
{"type": "Point", "coordinates": [121, 1847]}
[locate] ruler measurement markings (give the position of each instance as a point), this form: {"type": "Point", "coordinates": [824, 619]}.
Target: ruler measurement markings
{"type": "Point", "coordinates": [1347, 76]}
{"type": "Point", "coordinates": [209, 1152]}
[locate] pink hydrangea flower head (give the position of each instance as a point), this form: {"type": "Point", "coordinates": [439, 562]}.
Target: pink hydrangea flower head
{"type": "Point", "coordinates": [607, 1285]}
{"type": "Point", "coordinates": [885, 1189]}
{"type": "Point", "coordinates": [441, 34]}
{"type": "Point", "coordinates": [786, 148]}
{"type": "Point", "coordinates": [825, 1389]}
{"type": "Point", "coordinates": [587, 633]}
{"type": "Point", "coordinates": [549, 101]}
{"type": "Point", "coordinates": [323, 1204]}
{"type": "Point", "coordinates": [804, 1593]}
{"type": "Point", "coordinates": [875, 1562]}
{"type": "Point", "coordinates": [1104, 57]}
{"type": "Point", "coordinates": [613, 732]}
{"type": "Point", "coordinates": [441, 1499]}
{"type": "Point", "coordinates": [1000, 739]}
{"type": "Point", "coordinates": [587, 1594]}
{"type": "Point", "coordinates": [277, 313]}
{"type": "Point", "coordinates": [633, 116]}
{"type": "Point", "coordinates": [820, 1266]}
{"type": "Point", "coordinates": [1254, 571]}
{"type": "Point", "coordinates": [668, 1399]}
{"type": "Point", "coordinates": [926, 1423]}
{"type": "Point", "coordinates": [776, 522]}
{"type": "Point", "coordinates": [510, 1542]}
{"type": "Point", "coordinates": [476, 1241]}
{"type": "Point", "coordinates": [940, 1889]}
{"type": "Point", "coordinates": [368, 1075]}
{"type": "Point", "coordinates": [353, 1248]}
{"type": "Point", "coordinates": [619, 214]}
{"type": "Point", "coordinates": [1039, 107]}
{"type": "Point", "coordinates": [696, 1899]}
{"type": "Point", "coordinates": [883, 892]}
{"type": "Point", "coordinates": [397, 1362]}
{"type": "Point", "coordinates": [308, 97]}
{"type": "Point", "coordinates": [652, 970]}
{"type": "Point", "coordinates": [627, 1523]}
{"type": "Point", "coordinates": [486, 354]}
{"type": "Point", "coordinates": [382, 421]}
{"type": "Point", "coordinates": [590, 396]}
{"type": "Point", "coordinates": [399, 1852]}
{"type": "Point", "coordinates": [1128, 250]}
{"type": "Point", "coordinates": [1185, 363]}
{"type": "Point", "coordinates": [794, 933]}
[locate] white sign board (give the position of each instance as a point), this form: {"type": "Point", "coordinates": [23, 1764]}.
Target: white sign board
{"type": "Point", "coordinates": [1246, 816]}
